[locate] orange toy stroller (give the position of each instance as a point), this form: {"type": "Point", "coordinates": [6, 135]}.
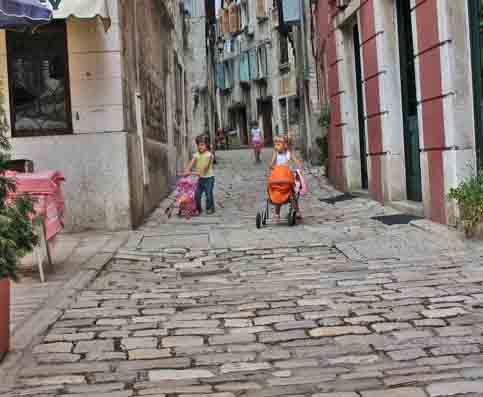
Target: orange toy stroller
{"type": "Point", "coordinates": [281, 191]}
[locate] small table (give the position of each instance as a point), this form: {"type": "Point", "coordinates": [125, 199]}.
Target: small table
{"type": "Point", "coordinates": [45, 188]}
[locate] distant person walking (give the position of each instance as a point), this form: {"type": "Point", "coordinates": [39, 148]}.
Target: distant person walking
{"type": "Point", "coordinates": [256, 142]}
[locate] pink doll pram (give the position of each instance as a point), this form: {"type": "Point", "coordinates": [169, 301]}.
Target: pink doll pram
{"type": "Point", "coordinates": [300, 184]}
{"type": "Point", "coordinates": [185, 196]}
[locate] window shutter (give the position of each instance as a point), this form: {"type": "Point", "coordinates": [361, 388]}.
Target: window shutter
{"type": "Point", "coordinates": [253, 64]}
{"type": "Point", "coordinates": [221, 23]}
{"type": "Point", "coordinates": [238, 19]}
{"type": "Point", "coordinates": [220, 76]}
{"type": "Point", "coordinates": [261, 11]}
{"type": "Point", "coordinates": [235, 19]}
{"type": "Point", "coordinates": [244, 68]}
{"type": "Point", "coordinates": [262, 59]}
{"type": "Point", "coordinates": [226, 21]}
{"type": "Point", "coordinates": [232, 17]}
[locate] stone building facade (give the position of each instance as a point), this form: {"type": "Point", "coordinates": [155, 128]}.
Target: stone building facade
{"type": "Point", "coordinates": [403, 80]}
{"type": "Point", "coordinates": [260, 77]}
{"type": "Point", "coordinates": [106, 108]}
{"type": "Point", "coordinates": [200, 15]}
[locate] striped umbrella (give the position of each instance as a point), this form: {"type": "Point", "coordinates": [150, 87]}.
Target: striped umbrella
{"type": "Point", "coordinates": [23, 14]}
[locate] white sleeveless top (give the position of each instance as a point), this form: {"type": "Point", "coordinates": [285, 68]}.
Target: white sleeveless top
{"type": "Point", "coordinates": [283, 158]}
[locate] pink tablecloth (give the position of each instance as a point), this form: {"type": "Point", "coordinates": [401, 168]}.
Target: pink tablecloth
{"type": "Point", "coordinates": [46, 190]}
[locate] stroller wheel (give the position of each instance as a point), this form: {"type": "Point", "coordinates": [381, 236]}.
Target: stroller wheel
{"type": "Point", "coordinates": [259, 220]}
{"type": "Point", "coordinates": [292, 218]}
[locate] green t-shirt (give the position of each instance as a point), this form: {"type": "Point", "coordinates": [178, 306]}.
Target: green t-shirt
{"type": "Point", "coordinates": [202, 160]}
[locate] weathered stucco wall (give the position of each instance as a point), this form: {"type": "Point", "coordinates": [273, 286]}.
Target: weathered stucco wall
{"type": "Point", "coordinates": [96, 190]}
{"type": "Point", "coordinates": [94, 159]}
{"type": "Point", "coordinates": [152, 50]}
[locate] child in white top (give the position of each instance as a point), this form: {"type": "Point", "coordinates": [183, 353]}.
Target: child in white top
{"type": "Point", "coordinates": [256, 142]}
{"type": "Point", "coordinates": [283, 156]}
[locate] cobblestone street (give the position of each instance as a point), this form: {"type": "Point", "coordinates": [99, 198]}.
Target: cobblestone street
{"type": "Point", "coordinates": [339, 306]}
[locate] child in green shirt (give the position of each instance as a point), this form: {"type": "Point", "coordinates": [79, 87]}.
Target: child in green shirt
{"type": "Point", "coordinates": [202, 162]}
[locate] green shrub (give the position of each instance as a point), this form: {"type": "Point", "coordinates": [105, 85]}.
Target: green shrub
{"type": "Point", "coordinates": [17, 237]}
{"type": "Point", "coordinates": [469, 196]}
{"type": "Point", "coordinates": [325, 117]}
{"type": "Point", "coordinates": [323, 145]}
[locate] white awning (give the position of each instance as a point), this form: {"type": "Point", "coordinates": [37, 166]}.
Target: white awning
{"type": "Point", "coordinates": [82, 9]}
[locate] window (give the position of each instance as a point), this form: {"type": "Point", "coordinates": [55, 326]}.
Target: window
{"type": "Point", "coordinates": [220, 76]}
{"type": "Point", "coordinates": [188, 7]}
{"type": "Point", "coordinates": [253, 64]}
{"type": "Point", "coordinates": [39, 82]}
{"type": "Point", "coordinates": [229, 78]}
{"type": "Point", "coordinates": [244, 68]}
{"type": "Point", "coordinates": [179, 83]}
{"type": "Point", "coordinates": [291, 11]}
{"type": "Point", "coordinates": [283, 50]}
{"type": "Point", "coordinates": [261, 11]}
{"type": "Point", "coordinates": [283, 115]}
{"type": "Point", "coordinates": [262, 62]}
{"type": "Point", "coordinates": [235, 19]}
{"type": "Point", "coordinates": [293, 110]}
{"type": "Point", "coordinates": [245, 15]}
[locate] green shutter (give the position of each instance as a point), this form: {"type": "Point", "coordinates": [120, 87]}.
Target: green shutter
{"type": "Point", "coordinates": [220, 76]}
{"type": "Point", "coordinates": [244, 68]}
{"type": "Point", "coordinates": [253, 64]}
{"type": "Point", "coordinates": [476, 32]}
{"type": "Point", "coordinates": [262, 58]}
{"type": "Point", "coordinates": [409, 102]}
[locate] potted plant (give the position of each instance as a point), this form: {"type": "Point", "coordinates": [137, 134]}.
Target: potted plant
{"type": "Point", "coordinates": [469, 197]}
{"type": "Point", "coordinates": [16, 233]}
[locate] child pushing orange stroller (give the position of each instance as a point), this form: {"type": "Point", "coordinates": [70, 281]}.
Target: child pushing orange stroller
{"type": "Point", "coordinates": [284, 187]}
{"type": "Point", "coordinates": [280, 191]}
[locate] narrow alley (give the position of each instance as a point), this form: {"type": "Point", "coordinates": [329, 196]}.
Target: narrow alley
{"type": "Point", "coordinates": [339, 306]}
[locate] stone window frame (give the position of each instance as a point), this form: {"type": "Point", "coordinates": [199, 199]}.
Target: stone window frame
{"type": "Point", "coordinates": [61, 27]}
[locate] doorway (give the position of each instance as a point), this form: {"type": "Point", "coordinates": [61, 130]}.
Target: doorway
{"type": "Point", "coordinates": [360, 109]}
{"type": "Point", "coordinates": [409, 101]}
{"type": "Point", "coordinates": [266, 113]}
{"type": "Point", "coordinates": [475, 8]}
{"type": "Point", "coordinates": [243, 127]}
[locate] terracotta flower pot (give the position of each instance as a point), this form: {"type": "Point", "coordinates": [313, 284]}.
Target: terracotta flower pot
{"type": "Point", "coordinates": [4, 316]}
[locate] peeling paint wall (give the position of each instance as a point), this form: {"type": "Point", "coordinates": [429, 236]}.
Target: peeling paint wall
{"type": "Point", "coordinates": [154, 71]}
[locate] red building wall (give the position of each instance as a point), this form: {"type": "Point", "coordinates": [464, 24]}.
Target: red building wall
{"type": "Point", "coordinates": [433, 143]}
{"type": "Point", "coordinates": [373, 107]}
{"type": "Point", "coordinates": [428, 54]}
{"type": "Point", "coordinates": [336, 151]}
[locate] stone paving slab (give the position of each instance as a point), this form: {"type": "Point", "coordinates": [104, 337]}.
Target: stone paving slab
{"type": "Point", "coordinates": [155, 243]}
{"type": "Point", "coordinates": [270, 237]}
